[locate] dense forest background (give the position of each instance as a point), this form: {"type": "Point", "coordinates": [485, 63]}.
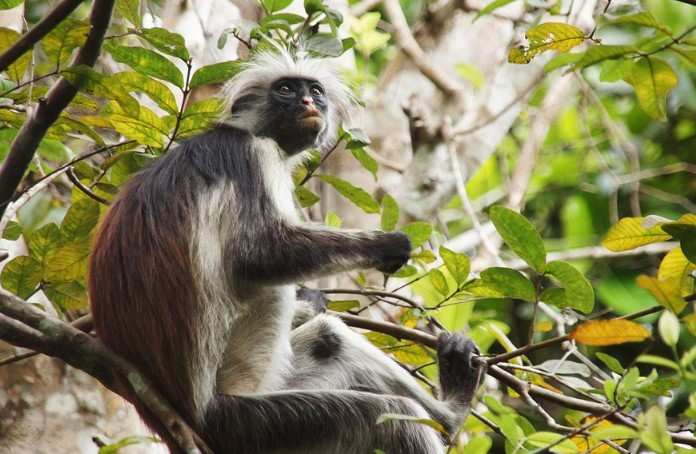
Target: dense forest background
{"type": "Point", "coordinates": [539, 154]}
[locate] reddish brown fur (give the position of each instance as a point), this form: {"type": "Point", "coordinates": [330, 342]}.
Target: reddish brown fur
{"type": "Point", "coordinates": [142, 292]}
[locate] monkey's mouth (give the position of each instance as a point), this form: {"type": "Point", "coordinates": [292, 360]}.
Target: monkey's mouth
{"type": "Point", "coordinates": [311, 119]}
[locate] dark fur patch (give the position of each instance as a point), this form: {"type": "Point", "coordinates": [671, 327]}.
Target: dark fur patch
{"type": "Point", "coordinates": [326, 345]}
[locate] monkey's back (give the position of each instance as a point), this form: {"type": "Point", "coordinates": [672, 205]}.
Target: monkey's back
{"type": "Point", "coordinates": [143, 293]}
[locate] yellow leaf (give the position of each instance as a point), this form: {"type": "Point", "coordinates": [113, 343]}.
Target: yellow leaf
{"type": "Point", "coordinates": [17, 69]}
{"type": "Point", "coordinates": [548, 36]}
{"type": "Point", "coordinates": [688, 218]}
{"type": "Point", "coordinates": [666, 292]}
{"type": "Point", "coordinates": [609, 332]}
{"type": "Point", "coordinates": [675, 266]}
{"type": "Point", "coordinates": [589, 445]}
{"type": "Point", "coordinates": [543, 326]}
{"type": "Point", "coordinates": [652, 79]}
{"type": "Point", "coordinates": [630, 233]}
{"type": "Point", "coordinates": [690, 321]}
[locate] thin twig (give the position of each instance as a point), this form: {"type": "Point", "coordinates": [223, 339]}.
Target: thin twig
{"type": "Point", "coordinates": [88, 192]}
{"type": "Point", "coordinates": [49, 109]}
{"type": "Point", "coordinates": [404, 38]}
{"type": "Point", "coordinates": [41, 29]}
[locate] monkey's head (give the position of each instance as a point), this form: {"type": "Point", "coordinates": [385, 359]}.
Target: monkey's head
{"type": "Point", "coordinates": [295, 100]}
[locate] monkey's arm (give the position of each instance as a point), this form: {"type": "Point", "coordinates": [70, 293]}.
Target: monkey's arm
{"type": "Point", "coordinates": [303, 253]}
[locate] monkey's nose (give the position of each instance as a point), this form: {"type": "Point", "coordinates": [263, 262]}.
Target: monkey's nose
{"type": "Point", "coordinates": [307, 100]}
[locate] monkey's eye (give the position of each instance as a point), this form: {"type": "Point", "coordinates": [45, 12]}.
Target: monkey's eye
{"type": "Point", "coordinates": [316, 90]}
{"type": "Point", "coordinates": [284, 89]}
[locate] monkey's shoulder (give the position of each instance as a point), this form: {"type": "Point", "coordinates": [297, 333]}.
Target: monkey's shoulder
{"type": "Point", "coordinates": [222, 152]}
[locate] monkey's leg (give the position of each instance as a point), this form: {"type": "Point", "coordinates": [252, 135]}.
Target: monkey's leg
{"type": "Point", "coordinates": [306, 253]}
{"type": "Point", "coordinates": [316, 422]}
{"type": "Point", "coordinates": [330, 355]}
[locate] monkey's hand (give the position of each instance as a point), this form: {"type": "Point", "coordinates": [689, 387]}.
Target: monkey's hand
{"type": "Point", "coordinates": [314, 297]}
{"type": "Point", "coordinates": [394, 251]}
{"type": "Point", "coordinates": [459, 375]}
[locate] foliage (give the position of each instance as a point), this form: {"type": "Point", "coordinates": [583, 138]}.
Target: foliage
{"type": "Point", "coordinates": [127, 117]}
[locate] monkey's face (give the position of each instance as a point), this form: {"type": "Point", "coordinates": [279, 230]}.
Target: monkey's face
{"type": "Point", "coordinates": [297, 113]}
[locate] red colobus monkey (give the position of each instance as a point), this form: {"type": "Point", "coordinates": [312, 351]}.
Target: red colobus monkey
{"type": "Point", "coordinates": [193, 275]}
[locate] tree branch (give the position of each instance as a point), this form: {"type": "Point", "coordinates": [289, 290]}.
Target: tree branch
{"type": "Point", "coordinates": [24, 326]}
{"type": "Point", "coordinates": [407, 43]}
{"type": "Point", "coordinates": [41, 29]}
{"type": "Point", "coordinates": [58, 97]}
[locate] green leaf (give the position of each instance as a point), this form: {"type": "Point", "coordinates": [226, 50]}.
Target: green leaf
{"type": "Point", "coordinates": [439, 282]}
{"type": "Point", "coordinates": [215, 73]}
{"type": "Point", "coordinates": [477, 445]}
{"type": "Point", "coordinates": [472, 74]}
{"type": "Point", "coordinates": [9, 4]}
{"type": "Point", "coordinates": [287, 18]}
{"type": "Point", "coordinates": [333, 220]}
{"type": "Point", "coordinates": [42, 241]}
{"type": "Point", "coordinates": [324, 44]}
{"type": "Point", "coordinates": [598, 53]}
{"type": "Point", "coordinates": [612, 363]}
{"type": "Point", "coordinates": [630, 233]}
{"type": "Point", "coordinates": [578, 291]}
{"type": "Point", "coordinates": [418, 232]}
{"type": "Point", "coordinates": [17, 69]}
{"type": "Point", "coordinates": [508, 283]}
{"type": "Point", "coordinates": [87, 79]}
{"type": "Point", "coordinates": [275, 5]}
{"type": "Point", "coordinates": [492, 6]}
{"type": "Point", "coordinates": [560, 60]}
{"type": "Point", "coordinates": [343, 305]}
{"type": "Point", "coordinates": [353, 193]}
{"type": "Point", "coordinates": [146, 128]}
{"type": "Point", "coordinates": [67, 262]}
{"type": "Point", "coordinates": [62, 40]}
{"type": "Point", "coordinates": [80, 220]}
{"type": "Point", "coordinates": [21, 275]}
{"type": "Point", "coordinates": [115, 448]}
{"type": "Point", "coordinates": [544, 439]}
{"type": "Point", "coordinates": [130, 10]}
{"type": "Point", "coordinates": [390, 213]}
{"type": "Point", "coordinates": [313, 6]}
{"type": "Point", "coordinates": [457, 264]}
{"type": "Point", "coordinates": [147, 62]}
{"type": "Point", "coordinates": [306, 197]}
{"type": "Point", "coordinates": [12, 231]}
{"type": "Point", "coordinates": [688, 55]}
{"type": "Point", "coordinates": [652, 79]}
{"type": "Point", "coordinates": [426, 421]}
{"type": "Point", "coordinates": [653, 431]}
{"type": "Point", "coordinates": [520, 235]}
{"type": "Point", "coordinates": [199, 116]}
{"type": "Point", "coordinates": [167, 42]}
{"type": "Point", "coordinates": [643, 19]}
{"type": "Point", "coordinates": [685, 232]}
{"type": "Point", "coordinates": [554, 296]}
{"type": "Point", "coordinates": [155, 90]}
{"type": "Point", "coordinates": [367, 161]}
{"type": "Point", "coordinates": [67, 295]}
{"type": "Point", "coordinates": [557, 36]}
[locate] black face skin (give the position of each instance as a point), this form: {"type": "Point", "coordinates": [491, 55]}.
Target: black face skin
{"type": "Point", "coordinates": [296, 114]}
